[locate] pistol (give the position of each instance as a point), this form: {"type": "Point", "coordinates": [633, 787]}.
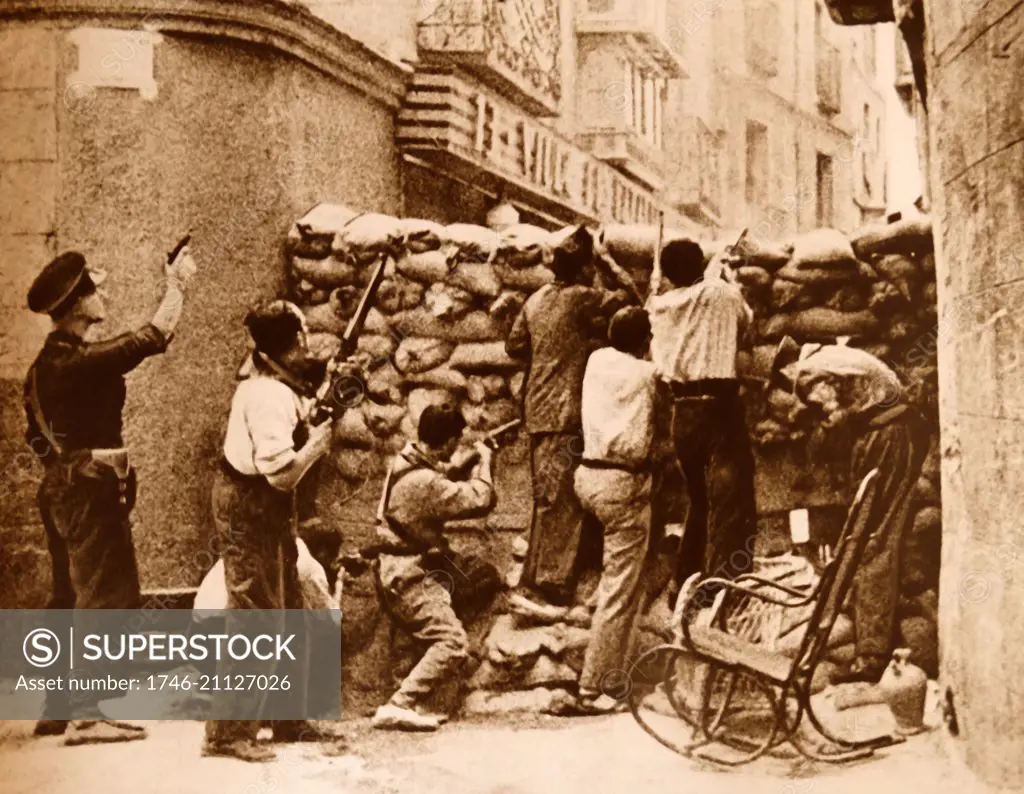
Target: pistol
{"type": "Point", "coordinates": [178, 248]}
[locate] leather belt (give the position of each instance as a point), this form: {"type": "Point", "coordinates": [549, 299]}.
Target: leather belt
{"type": "Point", "coordinates": [708, 389]}
{"type": "Point", "coordinates": [235, 474]}
{"type": "Point", "coordinates": [632, 468]}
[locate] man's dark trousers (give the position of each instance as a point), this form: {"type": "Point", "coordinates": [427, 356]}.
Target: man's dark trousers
{"type": "Point", "coordinates": [897, 448]}
{"type": "Point", "coordinates": [713, 446]}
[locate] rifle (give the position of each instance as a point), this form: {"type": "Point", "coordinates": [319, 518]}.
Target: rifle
{"type": "Point", "coordinates": [493, 439]}
{"type": "Point", "coordinates": [331, 392]}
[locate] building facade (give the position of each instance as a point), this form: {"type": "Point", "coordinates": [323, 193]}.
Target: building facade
{"type": "Point", "coordinates": [786, 114]}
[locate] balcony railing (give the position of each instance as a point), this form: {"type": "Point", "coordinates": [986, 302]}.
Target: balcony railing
{"type": "Point", "coordinates": [511, 45]}
{"type": "Point", "coordinates": [645, 22]}
{"type": "Point", "coordinates": [828, 76]}
{"type": "Point", "coordinates": [762, 36]}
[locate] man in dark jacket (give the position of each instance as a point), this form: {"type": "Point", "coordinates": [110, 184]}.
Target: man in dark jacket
{"type": "Point", "coordinates": [74, 398]}
{"type": "Point", "coordinates": [558, 328]}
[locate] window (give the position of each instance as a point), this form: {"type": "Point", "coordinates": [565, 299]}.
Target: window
{"type": "Point", "coordinates": [757, 164]}
{"type": "Point", "coordinates": [826, 189]}
{"type": "Point", "coordinates": [646, 108]}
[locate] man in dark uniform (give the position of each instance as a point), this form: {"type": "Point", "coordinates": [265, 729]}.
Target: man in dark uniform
{"type": "Point", "coordinates": [74, 396]}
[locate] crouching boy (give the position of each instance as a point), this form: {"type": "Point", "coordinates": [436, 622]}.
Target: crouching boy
{"type": "Point", "coordinates": [417, 573]}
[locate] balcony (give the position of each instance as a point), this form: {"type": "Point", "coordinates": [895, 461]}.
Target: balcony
{"type": "Point", "coordinates": [761, 19]}
{"type": "Point", "coordinates": [695, 187]}
{"type": "Point", "coordinates": [513, 46]}
{"type": "Point", "coordinates": [627, 151]}
{"type": "Point", "coordinates": [828, 77]}
{"type": "Point", "coordinates": [640, 25]}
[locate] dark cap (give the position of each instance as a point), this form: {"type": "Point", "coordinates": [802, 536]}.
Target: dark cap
{"type": "Point", "coordinates": [58, 281]}
{"type": "Point", "coordinates": [439, 424]}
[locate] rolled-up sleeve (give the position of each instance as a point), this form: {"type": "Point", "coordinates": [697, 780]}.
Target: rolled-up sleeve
{"type": "Point", "coordinates": [271, 424]}
{"type": "Point", "coordinates": [453, 500]}
{"type": "Point", "coordinates": [123, 353]}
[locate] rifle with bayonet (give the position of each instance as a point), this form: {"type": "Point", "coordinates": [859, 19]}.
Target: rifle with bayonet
{"type": "Point", "coordinates": [348, 389]}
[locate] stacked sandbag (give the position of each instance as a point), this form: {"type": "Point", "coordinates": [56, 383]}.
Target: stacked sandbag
{"type": "Point", "coordinates": [437, 329]}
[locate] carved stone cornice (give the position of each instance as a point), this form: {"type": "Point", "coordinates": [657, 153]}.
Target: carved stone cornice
{"type": "Point", "coordinates": [288, 27]}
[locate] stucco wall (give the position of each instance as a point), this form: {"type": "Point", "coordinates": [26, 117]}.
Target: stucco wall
{"type": "Point", "coordinates": [975, 57]}
{"type": "Point", "coordinates": [238, 141]}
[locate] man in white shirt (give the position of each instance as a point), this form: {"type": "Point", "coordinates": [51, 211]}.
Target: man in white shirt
{"type": "Point", "coordinates": [613, 483]}
{"type": "Point", "coordinates": [252, 507]}
{"type": "Point", "coordinates": [698, 328]}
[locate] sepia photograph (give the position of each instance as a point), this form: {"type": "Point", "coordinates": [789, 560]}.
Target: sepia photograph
{"type": "Point", "coordinates": [511, 396]}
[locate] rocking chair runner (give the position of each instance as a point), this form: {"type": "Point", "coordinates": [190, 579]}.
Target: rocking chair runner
{"type": "Point", "coordinates": [731, 660]}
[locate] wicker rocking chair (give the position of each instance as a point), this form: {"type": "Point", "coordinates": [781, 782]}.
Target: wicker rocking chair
{"type": "Point", "coordinates": [721, 665]}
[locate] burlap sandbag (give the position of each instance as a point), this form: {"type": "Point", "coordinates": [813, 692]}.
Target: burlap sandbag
{"type": "Point", "coordinates": [753, 277]}
{"type": "Point", "coordinates": [474, 243]}
{"type": "Point", "coordinates": [351, 430]}
{"type": "Point", "coordinates": [632, 245]}
{"type": "Point", "coordinates": [420, 235]}
{"type": "Point", "coordinates": [477, 326]}
{"type": "Point", "coordinates": [479, 279]}
{"type": "Point", "coordinates": [446, 302]}
{"type": "Point", "coordinates": [847, 298]}
{"type": "Point", "coordinates": [323, 346]}
{"type": "Point", "coordinates": [312, 235]}
{"type": "Point", "coordinates": [376, 346]}
{"type": "Point", "coordinates": [398, 293]}
{"type": "Point", "coordinates": [489, 415]}
{"type": "Point", "coordinates": [755, 251]}
{"type": "Point", "coordinates": [326, 317]}
{"type": "Point", "coordinates": [523, 245]}
{"type": "Point", "coordinates": [327, 273]}
{"type": "Point", "coordinates": [822, 248]}
{"type": "Point", "coordinates": [418, 354]}
{"type": "Point", "coordinates": [366, 236]}
{"type": "Point", "coordinates": [480, 388]}
{"type": "Point", "coordinates": [382, 420]}
{"type": "Point", "coordinates": [443, 377]}
{"type": "Point", "coordinates": [908, 236]}
{"type": "Point", "coordinates": [851, 272]}
{"type": "Point", "coordinates": [481, 357]}
{"type": "Point", "coordinates": [527, 279]}
{"type": "Point", "coordinates": [792, 296]}
{"type": "Point", "coordinates": [507, 306]}
{"type": "Point", "coordinates": [820, 325]}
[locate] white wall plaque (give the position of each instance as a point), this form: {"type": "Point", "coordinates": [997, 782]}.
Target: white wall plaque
{"type": "Point", "coordinates": [115, 58]}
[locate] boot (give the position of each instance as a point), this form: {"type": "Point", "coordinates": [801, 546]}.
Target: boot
{"type": "Point", "coordinates": [391, 717]}
{"type": "Point", "coordinates": [102, 732]}
{"type": "Point", "coordinates": [242, 749]}
{"type": "Point", "coordinates": [50, 727]}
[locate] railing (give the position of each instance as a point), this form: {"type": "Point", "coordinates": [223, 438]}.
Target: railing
{"type": "Point", "coordinates": [828, 76]}
{"type": "Point", "coordinates": [762, 36]}
{"type": "Point", "coordinates": [645, 21]}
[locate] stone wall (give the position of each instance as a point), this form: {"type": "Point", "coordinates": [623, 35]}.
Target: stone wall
{"type": "Point", "coordinates": [974, 54]}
